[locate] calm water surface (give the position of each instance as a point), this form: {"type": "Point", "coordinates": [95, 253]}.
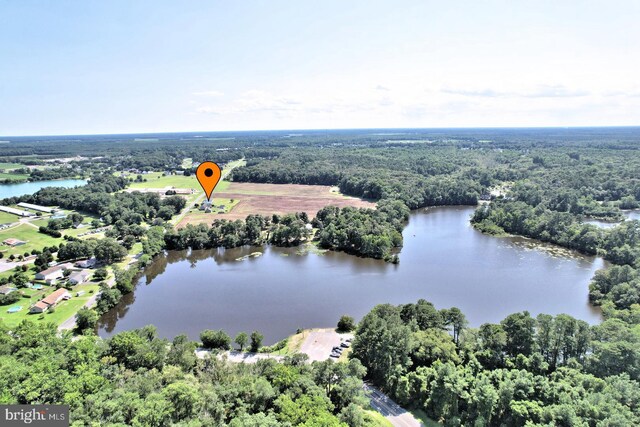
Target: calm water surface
{"type": "Point", "coordinates": [443, 260]}
{"type": "Point", "coordinates": [15, 190]}
{"type": "Point", "coordinates": [633, 214]}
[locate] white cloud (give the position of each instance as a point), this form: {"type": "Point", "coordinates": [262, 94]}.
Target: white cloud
{"type": "Point", "coordinates": [210, 93]}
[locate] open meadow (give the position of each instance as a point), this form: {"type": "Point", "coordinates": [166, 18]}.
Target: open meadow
{"type": "Point", "coordinates": [269, 199]}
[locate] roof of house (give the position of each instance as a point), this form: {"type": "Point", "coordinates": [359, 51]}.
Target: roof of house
{"type": "Point", "coordinates": [11, 241]}
{"type": "Point", "coordinates": [55, 269]}
{"type": "Point", "coordinates": [55, 296]}
{"type": "Point", "coordinates": [42, 305]}
{"type": "Point", "coordinates": [6, 289]}
{"type": "Point", "coordinates": [79, 275]}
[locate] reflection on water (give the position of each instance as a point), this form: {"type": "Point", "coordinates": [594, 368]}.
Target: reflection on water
{"type": "Point", "coordinates": [444, 260]}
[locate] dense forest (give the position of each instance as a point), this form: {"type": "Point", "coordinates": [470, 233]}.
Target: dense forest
{"type": "Point", "coordinates": [138, 379]}
{"type": "Point", "coordinates": [554, 371]}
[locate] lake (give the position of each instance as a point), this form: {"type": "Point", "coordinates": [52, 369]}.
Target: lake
{"type": "Point", "coordinates": [22, 189]}
{"type": "Point", "coordinates": [444, 260]}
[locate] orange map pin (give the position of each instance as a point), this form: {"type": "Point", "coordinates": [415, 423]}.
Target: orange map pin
{"type": "Point", "coordinates": [208, 174]}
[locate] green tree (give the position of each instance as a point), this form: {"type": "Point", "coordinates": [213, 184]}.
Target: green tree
{"type": "Point", "coordinates": [86, 319]}
{"type": "Point", "coordinates": [256, 341]}
{"type": "Point", "coordinates": [241, 339]}
{"type": "Point", "coordinates": [215, 339]}
{"type": "Point", "coordinates": [346, 324]}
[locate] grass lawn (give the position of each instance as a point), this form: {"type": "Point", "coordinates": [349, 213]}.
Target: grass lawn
{"type": "Point", "coordinates": [376, 419]}
{"type": "Point", "coordinates": [344, 357]}
{"type": "Point", "coordinates": [294, 342]}
{"type": "Point", "coordinates": [424, 419]}
{"type": "Point", "coordinates": [6, 218]}
{"type": "Point", "coordinates": [62, 312]}
{"type": "Point", "coordinates": [29, 234]}
{"type": "Point", "coordinates": [13, 176]}
{"type": "Point", "coordinates": [156, 180]}
{"type": "Point", "coordinates": [9, 166]}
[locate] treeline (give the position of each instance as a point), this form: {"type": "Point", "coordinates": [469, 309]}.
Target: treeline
{"type": "Point", "coordinates": [368, 232]}
{"type": "Point", "coordinates": [105, 250]}
{"type": "Point", "coordinates": [418, 178]}
{"type": "Point", "coordinates": [102, 197]}
{"type": "Point", "coordinates": [52, 173]}
{"type": "Point", "coordinates": [135, 378]}
{"type": "Point", "coordinates": [255, 230]}
{"type": "Point", "coordinates": [539, 223]}
{"type": "Point", "coordinates": [535, 371]}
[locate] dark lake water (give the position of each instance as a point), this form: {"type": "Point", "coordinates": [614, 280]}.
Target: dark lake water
{"type": "Point", "coordinates": [444, 260]}
{"type": "Point", "coordinates": [15, 190]}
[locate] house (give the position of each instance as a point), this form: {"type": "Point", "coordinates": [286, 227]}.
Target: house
{"type": "Point", "coordinates": [205, 205]}
{"type": "Point", "coordinates": [50, 301]}
{"type": "Point", "coordinates": [53, 273]}
{"type": "Point", "coordinates": [39, 307]}
{"type": "Point", "coordinates": [6, 289]}
{"type": "Point", "coordinates": [86, 263]}
{"type": "Point", "coordinates": [13, 242]}
{"type": "Point", "coordinates": [78, 277]}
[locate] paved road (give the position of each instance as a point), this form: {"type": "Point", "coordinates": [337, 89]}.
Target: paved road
{"type": "Point", "coordinates": [382, 403]}
{"type": "Point", "coordinates": [10, 265]}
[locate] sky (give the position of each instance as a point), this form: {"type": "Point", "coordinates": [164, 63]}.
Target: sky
{"type": "Point", "coordinates": [89, 66]}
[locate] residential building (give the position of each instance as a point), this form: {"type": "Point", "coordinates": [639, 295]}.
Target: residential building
{"type": "Point", "coordinates": [53, 273]}
{"type": "Point", "coordinates": [79, 277]}
{"type": "Point", "coordinates": [50, 301]}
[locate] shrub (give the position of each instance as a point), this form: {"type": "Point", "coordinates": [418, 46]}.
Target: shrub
{"type": "Point", "coordinates": [346, 324]}
{"type": "Point", "coordinates": [215, 339]}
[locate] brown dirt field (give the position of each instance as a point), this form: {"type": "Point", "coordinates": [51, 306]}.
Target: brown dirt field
{"type": "Point", "coordinates": [269, 199]}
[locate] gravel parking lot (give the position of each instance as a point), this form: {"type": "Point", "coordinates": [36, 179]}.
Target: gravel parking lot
{"type": "Point", "coordinates": [318, 343]}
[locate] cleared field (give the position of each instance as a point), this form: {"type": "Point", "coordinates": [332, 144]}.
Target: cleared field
{"type": "Point", "coordinates": [13, 176]}
{"type": "Point", "coordinates": [7, 218]}
{"type": "Point", "coordinates": [10, 166]}
{"type": "Point", "coordinates": [29, 234]}
{"type": "Point", "coordinates": [269, 199]}
{"type": "Point", "coordinates": [157, 180]}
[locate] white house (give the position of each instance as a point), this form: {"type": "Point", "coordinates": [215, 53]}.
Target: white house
{"type": "Point", "coordinates": [52, 273]}
{"type": "Point", "coordinates": [78, 277]}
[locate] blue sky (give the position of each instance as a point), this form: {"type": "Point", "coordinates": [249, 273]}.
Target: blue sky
{"type": "Point", "coordinates": [82, 67]}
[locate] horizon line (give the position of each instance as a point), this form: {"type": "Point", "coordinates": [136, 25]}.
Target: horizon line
{"type": "Point", "coordinates": [324, 129]}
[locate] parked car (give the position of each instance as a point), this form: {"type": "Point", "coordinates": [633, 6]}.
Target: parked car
{"type": "Point", "coordinates": [344, 345]}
